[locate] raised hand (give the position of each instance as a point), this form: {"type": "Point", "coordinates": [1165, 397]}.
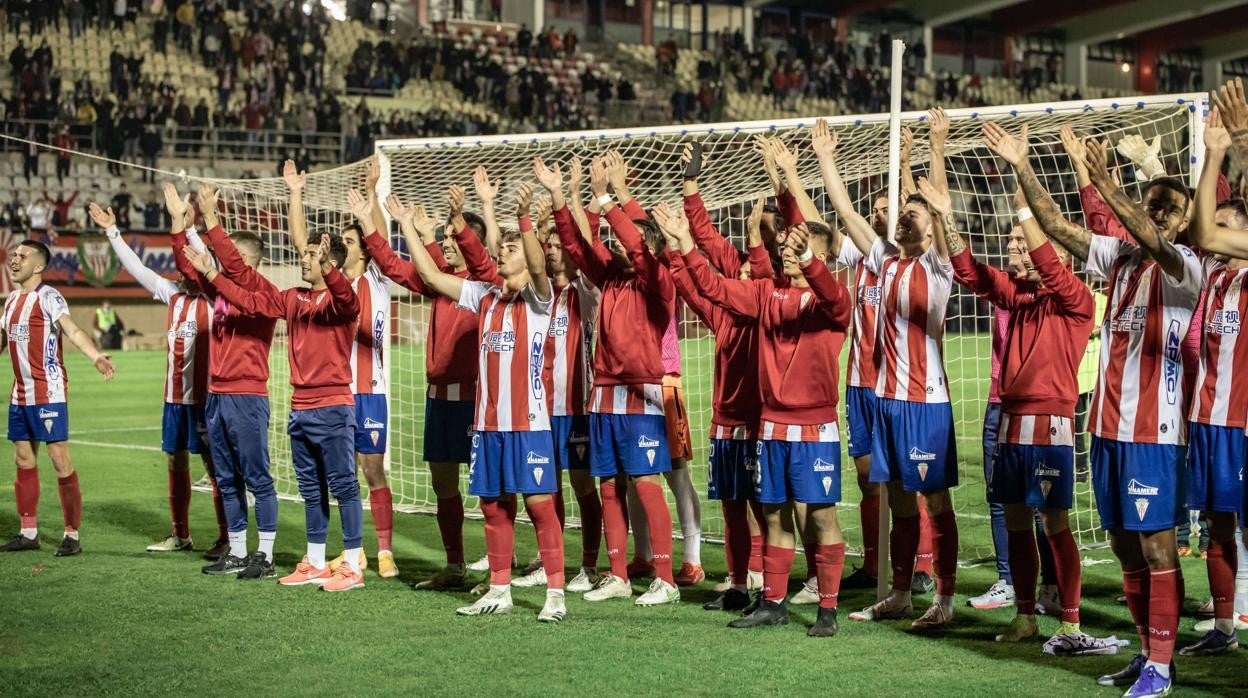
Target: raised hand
{"type": "Point", "coordinates": [907, 143]}
{"type": "Point", "coordinates": [1145, 156]}
{"type": "Point", "coordinates": [322, 252]}
{"type": "Point", "coordinates": [686, 157]}
{"type": "Point", "coordinates": [372, 174]}
{"type": "Point", "coordinates": [455, 200]}
{"type": "Point", "coordinates": [486, 191]}
{"type": "Point", "coordinates": [104, 218]}
{"type": "Point", "coordinates": [543, 212]}
{"type": "Point", "coordinates": [524, 198]}
{"type": "Point", "coordinates": [674, 226]}
{"type": "Point", "coordinates": [599, 177]}
{"type": "Point", "coordinates": [754, 223]}
{"type": "Point", "coordinates": [1097, 161]}
{"type": "Point", "coordinates": [361, 206]}
{"type": "Point", "coordinates": [938, 202]}
{"type": "Point", "coordinates": [798, 239]}
{"type": "Point", "coordinates": [398, 210]}
{"type": "Point", "coordinates": [823, 139]}
{"type": "Point", "coordinates": [1013, 149]}
{"type": "Point", "coordinates": [785, 159]}
{"type": "Point", "coordinates": [174, 204]}
{"type": "Point", "coordinates": [201, 260]}
{"type": "Point", "coordinates": [1072, 144]}
{"type": "Point", "coordinates": [1217, 138]}
{"type": "Point", "coordinates": [938, 121]}
{"type": "Point", "coordinates": [617, 172]}
{"type": "Point", "coordinates": [188, 212]}
{"type": "Point", "coordinates": [1231, 104]}
{"type": "Point", "coordinates": [550, 177]}
{"type": "Point", "coordinates": [293, 177]}
{"type": "Point", "coordinates": [426, 227]}
{"type": "Point", "coordinates": [208, 202]}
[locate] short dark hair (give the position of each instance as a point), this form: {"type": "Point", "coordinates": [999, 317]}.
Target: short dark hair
{"type": "Point", "coordinates": [1173, 184]}
{"type": "Point", "coordinates": [359, 232]}
{"type": "Point", "coordinates": [477, 223]}
{"type": "Point", "coordinates": [1236, 204]}
{"type": "Point", "coordinates": [249, 238]}
{"type": "Point", "coordinates": [821, 230]}
{"type": "Point", "coordinates": [41, 249]}
{"type": "Point", "coordinates": [509, 236]}
{"type": "Point", "coordinates": [337, 248]}
{"type": "Point", "coordinates": [915, 198]}
{"type": "Point", "coordinates": [650, 234]}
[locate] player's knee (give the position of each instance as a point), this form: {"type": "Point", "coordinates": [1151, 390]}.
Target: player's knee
{"type": "Point", "coordinates": [1054, 521]}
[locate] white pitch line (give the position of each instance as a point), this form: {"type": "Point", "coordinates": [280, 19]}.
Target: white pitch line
{"type": "Point", "coordinates": [116, 430]}
{"type": "Point", "coordinates": [107, 444]}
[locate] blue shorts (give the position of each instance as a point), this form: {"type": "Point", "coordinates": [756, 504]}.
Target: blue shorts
{"type": "Point", "coordinates": [860, 407]}
{"type": "Point", "coordinates": [1038, 476]}
{"type": "Point", "coordinates": [1138, 487]}
{"type": "Point", "coordinates": [628, 444]}
{"type": "Point", "coordinates": [371, 417]}
{"type": "Point", "coordinates": [47, 423]}
{"type": "Point", "coordinates": [800, 471]}
{"type": "Point", "coordinates": [183, 428]}
{"type": "Point", "coordinates": [914, 443]}
{"type": "Point", "coordinates": [511, 462]}
{"type": "Point", "coordinates": [734, 463]}
{"type": "Point", "coordinates": [571, 436]}
{"type": "Point", "coordinates": [1215, 467]}
{"type": "Point", "coordinates": [448, 430]}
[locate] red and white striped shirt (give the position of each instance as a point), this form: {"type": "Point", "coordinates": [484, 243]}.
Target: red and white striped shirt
{"type": "Point", "coordinates": [914, 294]}
{"type": "Point", "coordinates": [190, 325]}
{"type": "Point", "coordinates": [635, 398]}
{"type": "Point", "coordinates": [568, 345]}
{"type": "Point", "coordinates": [1036, 430]}
{"type": "Point", "coordinates": [1139, 393]}
{"type": "Point", "coordinates": [368, 373]}
{"type": "Point", "coordinates": [511, 392]}
{"type": "Point", "coordinates": [1222, 383]}
{"type": "Point", "coordinates": [32, 322]}
{"type": "Point", "coordinates": [805, 433]}
{"type": "Point", "coordinates": [860, 371]}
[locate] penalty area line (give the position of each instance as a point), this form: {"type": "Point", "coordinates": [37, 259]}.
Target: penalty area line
{"type": "Point", "coordinates": [108, 444]}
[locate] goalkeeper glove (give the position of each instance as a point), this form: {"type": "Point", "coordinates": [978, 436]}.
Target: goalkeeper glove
{"type": "Point", "coordinates": [1144, 156]}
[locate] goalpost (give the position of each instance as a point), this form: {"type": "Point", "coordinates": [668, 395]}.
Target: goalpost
{"type": "Point", "coordinates": [420, 170]}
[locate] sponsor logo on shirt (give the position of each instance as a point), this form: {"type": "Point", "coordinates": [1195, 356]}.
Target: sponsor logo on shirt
{"type": "Point", "coordinates": [646, 442]}
{"type": "Point", "coordinates": [1174, 341]}
{"type": "Point", "coordinates": [370, 423]}
{"type": "Point", "coordinates": [559, 326]}
{"type": "Point", "coordinates": [869, 295]}
{"type": "Point", "coordinates": [917, 453]}
{"type": "Point", "coordinates": [535, 458]}
{"type": "Point", "coordinates": [822, 466]}
{"type": "Point", "coordinates": [186, 330]}
{"type": "Point", "coordinates": [535, 365]}
{"type": "Point", "coordinates": [499, 341]}
{"type": "Point", "coordinates": [51, 363]}
{"type": "Point", "coordinates": [1223, 322]}
{"type": "Point", "coordinates": [19, 332]}
{"type": "Point", "coordinates": [1130, 319]}
{"type": "Point", "coordinates": [1137, 488]}
{"type": "Point", "coordinates": [379, 328]}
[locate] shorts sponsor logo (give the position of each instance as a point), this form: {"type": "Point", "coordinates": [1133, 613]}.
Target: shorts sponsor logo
{"type": "Point", "coordinates": [827, 485]}
{"type": "Point", "coordinates": [45, 413]}
{"type": "Point", "coordinates": [1139, 489]}
{"type": "Point", "coordinates": [537, 475]}
{"type": "Point", "coordinates": [535, 458]}
{"type": "Point", "coordinates": [575, 438]}
{"type": "Point", "coordinates": [822, 466]}
{"type": "Point", "coordinates": [476, 440]}
{"type": "Point", "coordinates": [711, 451]}
{"type": "Point", "coordinates": [1048, 472]}
{"type": "Point", "coordinates": [370, 423]}
{"type": "Point", "coordinates": [917, 453]}
{"type": "Point", "coordinates": [646, 442]}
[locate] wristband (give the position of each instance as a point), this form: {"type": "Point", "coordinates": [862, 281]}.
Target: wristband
{"type": "Point", "coordinates": [1024, 214]}
{"type": "Point", "coordinates": [603, 201]}
{"type": "Point", "coordinates": [192, 231]}
{"type": "Point", "coordinates": [805, 256]}
{"type": "Point", "coordinates": [112, 231]}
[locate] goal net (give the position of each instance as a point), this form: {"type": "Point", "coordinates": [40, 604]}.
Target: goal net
{"type": "Point", "coordinates": [733, 177]}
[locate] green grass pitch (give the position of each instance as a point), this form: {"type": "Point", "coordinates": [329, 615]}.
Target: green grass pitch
{"type": "Point", "coordinates": [117, 620]}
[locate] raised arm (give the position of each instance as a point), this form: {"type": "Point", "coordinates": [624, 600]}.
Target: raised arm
{"type": "Point", "coordinates": [372, 175]}
{"type": "Point", "coordinates": [687, 291]}
{"type": "Point", "coordinates": [477, 258]}
{"type": "Point", "coordinates": [733, 295]}
{"type": "Point", "coordinates": [617, 178]}
{"type": "Point", "coordinates": [786, 160]}
{"type": "Point", "coordinates": [938, 122]}
{"type": "Point", "coordinates": [762, 146]}
{"type": "Point", "coordinates": [647, 266]}
{"type": "Point", "coordinates": [1014, 151]}
{"type": "Point", "coordinates": [261, 302]}
{"type": "Point", "coordinates": [834, 299]}
{"type": "Point", "coordinates": [296, 221]}
{"type": "Point", "coordinates": [908, 185]}
{"type": "Point", "coordinates": [574, 245]}
{"type": "Point", "coordinates": [1132, 214]}
{"type": "Point", "coordinates": [162, 289]}
{"type": "Point", "coordinates": [859, 230]}
{"type": "Point", "coordinates": [232, 264]}
{"type": "Point", "coordinates": [435, 279]}
{"type": "Point", "coordinates": [534, 255]}
{"type": "Point", "coordinates": [1073, 145]}
{"type": "Point", "coordinates": [180, 212]}
{"type": "Point", "coordinates": [1233, 108]}
{"type": "Point", "coordinates": [722, 255]}
{"type": "Point", "coordinates": [400, 270]}
{"type": "Point", "coordinates": [1204, 231]}
{"type": "Point", "coordinates": [487, 192]}
{"type": "Point", "coordinates": [946, 238]}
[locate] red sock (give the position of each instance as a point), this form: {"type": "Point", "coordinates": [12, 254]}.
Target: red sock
{"type": "Point", "coordinates": [545, 516]}
{"type": "Point", "coordinates": [831, 562]}
{"type": "Point", "coordinates": [659, 518]}
{"type": "Point", "coordinates": [945, 540]}
{"type": "Point", "coordinates": [1024, 567]}
{"type": "Point", "coordinates": [591, 528]}
{"type": "Point", "coordinates": [71, 500]}
{"type": "Point", "coordinates": [218, 507]}
{"type": "Point", "coordinates": [615, 527]}
{"type": "Point", "coordinates": [381, 503]}
{"type": "Point", "coordinates": [1221, 563]}
{"type": "Point", "coordinates": [869, 511]}
{"type": "Point", "coordinates": [180, 501]}
{"type": "Point", "coordinates": [26, 490]}
{"type": "Point", "coordinates": [1069, 573]}
{"type": "Point", "coordinates": [737, 540]}
{"type": "Point", "coordinates": [812, 566]}
{"type": "Point", "coordinates": [1163, 615]}
{"type": "Point", "coordinates": [1135, 586]}
{"type": "Point", "coordinates": [776, 565]}
{"type": "Point", "coordinates": [756, 541]}
{"type": "Point", "coordinates": [923, 556]}
{"type": "Point", "coordinates": [904, 543]}
{"type": "Point", "coordinates": [451, 528]}
{"type": "Point", "coordinates": [500, 538]}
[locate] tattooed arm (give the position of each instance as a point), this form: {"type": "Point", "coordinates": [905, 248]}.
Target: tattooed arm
{"type": "Point", "coordinates": [949, 242]}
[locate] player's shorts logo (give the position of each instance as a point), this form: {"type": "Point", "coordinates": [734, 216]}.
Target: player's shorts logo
{"type": "Point", "coordinates": [1141, 507]}
{"type": "Point", "coordinates": [827, 485]}
{"type": "Point", "coordinates": [45, 413]}
{"type": "Point", "coordinates": [650, 456]}
{"type": "Point", "coordinates": [374, 436]}
{"type": "Point", "coordinates": [1139, 489]}
{"type": "Point", "coordinates": [537, 475]}
{"type": "Point", "coordinates": [476, 439]}
{"type": "Point", "coordinates": [646, 442]}
{"type": "Point", "coordinates": [535, 458]}
{"type": "Point", "coordinates": [923, 471]}
{"type": "Point", "coordinates": [918, 454]}
{"type": "Point", "coordinates": [822, 466]}
{"type": "Point", "coordinates": [370, 423]}
{"type": "Point", "coordinates": [1045, 487]}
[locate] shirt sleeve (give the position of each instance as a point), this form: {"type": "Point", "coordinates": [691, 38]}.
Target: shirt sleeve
{"type": "Point", "coordinates": [850, 255]}
{"type": "Point", "coordinates": [733, 295]}
{"type": "Point", "coordinates": [789, 210]}
{"type": "Point", "coordinates": [834, 300]}
{"type": "Point", "coordinates": [260, 302]}
{"type": "Point", "coordinates": [1058, 278]}
{"type": "Point", "coordinates": [471, 294]}
{"type": "Point", "coordinates": [402, 271]}
{"type": "Point", "coordinates": [194, 240]}
{"type": "Point", "coordinates": [162, 289]}
{"type": "Point", "coordinates": [687, 291]}
{"type": "Point", "coordinates": [993, 285]}
{"type": "Point", "coordinates": [721, 254]}
{"type": "Point", "coordinates": [346, 305]}
{"type": "Point", "coordinates": [1193, 273]}
{"type": "Point", "coordinates": [480, 266]}
{"type": "Point", "coordinates": [1100, 218]}
{"type": "Point", "coordinates": [53, 303]}
{"type": "Point", "coordinates": [1103, 251]}
{"type": "Point", "coordinates": [874, 260]}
